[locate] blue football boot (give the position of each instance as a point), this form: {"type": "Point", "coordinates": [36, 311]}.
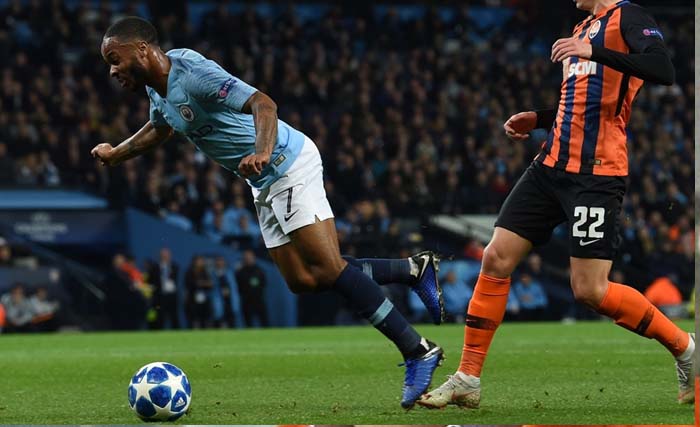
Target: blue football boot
{"type": "Point", "coordinates": [427, 286]}
{"type": "Point", "coordinates": [419, 374]}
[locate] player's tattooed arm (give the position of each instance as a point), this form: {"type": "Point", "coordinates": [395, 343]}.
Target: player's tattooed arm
{"type": "Point", "coordinates": [147, 138]}
{"type": "Point", "coordinates": [264, 111]}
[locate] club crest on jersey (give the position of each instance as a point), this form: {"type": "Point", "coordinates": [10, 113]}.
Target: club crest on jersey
{"type": "Point", "coordinates": [595, 29]}
{"type": "Point", "coordinates": [223, 90]}
{"type": "Point", "coordinates": [186, 113]}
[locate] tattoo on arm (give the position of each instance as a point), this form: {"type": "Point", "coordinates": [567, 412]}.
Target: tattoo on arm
{"type": "Point", "coordinates": [130, 147]}
{"type": "Point", "coordinates": [144, 140]}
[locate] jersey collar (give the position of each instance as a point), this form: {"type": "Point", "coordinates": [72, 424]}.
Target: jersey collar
{"type": "Point", "coordinates": [609, 8]}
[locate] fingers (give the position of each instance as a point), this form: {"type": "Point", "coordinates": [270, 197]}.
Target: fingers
{"type": "Point", "coordinates": [517, 137]}
{"type": "Point", "coordinates": [560, 47]}
{"type": "Point", "coordinates": [249, 166]}
{"type": "Point", "coordinates": [252, 165]}
{"type": "Point", "coordinates": [243, 167]}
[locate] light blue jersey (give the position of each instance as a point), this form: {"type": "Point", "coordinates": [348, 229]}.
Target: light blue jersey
{"type": "Point", "coordinates": [204, 102]}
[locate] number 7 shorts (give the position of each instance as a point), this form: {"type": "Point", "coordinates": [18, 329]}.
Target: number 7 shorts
{"type": "Point", "coordinates": [545, 197]}
{"type": "Point", "coordinates": [295, 200]}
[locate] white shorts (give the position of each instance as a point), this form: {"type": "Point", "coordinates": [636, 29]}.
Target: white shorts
{"type": "Point", "coordinates": [295, 200]}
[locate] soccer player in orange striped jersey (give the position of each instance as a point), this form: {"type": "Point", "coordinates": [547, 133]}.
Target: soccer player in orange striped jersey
{"type": "Point", "coordinates": [578, 178]}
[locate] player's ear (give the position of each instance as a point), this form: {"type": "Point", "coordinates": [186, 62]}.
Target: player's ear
{"type": "Point", "coordinates": [142, 48]}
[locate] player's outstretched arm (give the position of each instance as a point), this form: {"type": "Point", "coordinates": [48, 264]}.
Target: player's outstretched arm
{"type": "Point", "coordinates": [264, 111]}
{"type": "Point", "coordinates": [147, 138]}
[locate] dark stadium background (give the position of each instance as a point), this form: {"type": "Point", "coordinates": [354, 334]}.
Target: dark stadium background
{"type": "Point", "coordinates": [406, 102]}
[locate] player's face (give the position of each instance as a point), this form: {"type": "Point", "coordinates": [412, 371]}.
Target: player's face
{"type": "Point", "coordinates": [127, 62]}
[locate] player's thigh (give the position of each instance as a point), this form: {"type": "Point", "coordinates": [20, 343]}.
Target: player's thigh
{"type": "Point", "coordinates": [593, 205]}
{"type": "Point", "coordinates": [532, 210]}
{"type": "Point", "coordinates": [293, 268]}
{"type": "Point", "coordinates": [311, 261]}
{"type": "Point", "coordinates": [317, 244]}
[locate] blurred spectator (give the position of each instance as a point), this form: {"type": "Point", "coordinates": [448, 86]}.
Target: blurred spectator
{"type": "Point", "coordinates": [174, 217]}
{"type": "Point", "coordinates": [126, 305]}
{"type": "Point", "coordinates": [512, 306]}
{"type": "Point", "coordinates": [457, 295]}
{"type": "Point", "coordinates": [6, 166]}
{"type": "Point", "coordinates": [44, 311]}
{"type": "Point", "coordinates": [127, 264]}
{"type": "Point", "coordinates": [164, 278]}
{"type": "Point", "coordinates": [230, 297]}
{"type": "Point", "coordinates": [18, 309]}
{"type": "Point", "coordinates": [5, 253]}
{"type": "Point", "coordinates": [666, 296]}
{"type": "Point", "coordinates": [251, 285]}
{"type": "Point", "coordinates": [199, 286]}
{"type": "Point", "coordinates": [532, 299]}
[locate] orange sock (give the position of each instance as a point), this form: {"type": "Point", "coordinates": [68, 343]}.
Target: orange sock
{"type": "Point", "coordinates": [485, 313]}
{"type": "Point", "coordinates": [631, 310]}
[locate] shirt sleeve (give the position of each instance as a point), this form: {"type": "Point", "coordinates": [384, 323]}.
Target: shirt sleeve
{"type": "Point", "coordinates": [640, 31]}
{"type": "Point", "coordinates": [649, 59]}
{"type": "Point", "coordinates": [211, 83]}
{"type": "Point", "coordinates": [545, 118]}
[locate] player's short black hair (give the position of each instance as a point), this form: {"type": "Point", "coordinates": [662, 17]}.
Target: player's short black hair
{"type": "Point", "coordinates": [133, 28]}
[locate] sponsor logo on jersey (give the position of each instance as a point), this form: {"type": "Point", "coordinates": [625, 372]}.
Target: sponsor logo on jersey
{"type": "Point", "coordinates": [186, 113]}
{"type": "Point", "coordinates": [582, 69]}
{"type": "Point", "coordinates": [595, 28]}
{"type": "Point", "coordinates": [655, 32]}
{"type": "Point", "coordinates": [223, 90]}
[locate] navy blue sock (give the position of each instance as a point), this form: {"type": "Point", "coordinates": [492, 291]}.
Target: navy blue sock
{"type": "Point", "coordinates": [384, 271]}
{"type": "Point", "coordinates": [367, 298]}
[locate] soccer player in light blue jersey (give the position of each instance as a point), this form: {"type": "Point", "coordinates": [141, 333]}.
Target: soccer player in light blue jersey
{"type": "Point", "coordinates": [237, 126]}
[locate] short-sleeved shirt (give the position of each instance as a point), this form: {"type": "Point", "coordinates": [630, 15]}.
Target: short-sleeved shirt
{"type": "Point", "coordinates": [204, 102]}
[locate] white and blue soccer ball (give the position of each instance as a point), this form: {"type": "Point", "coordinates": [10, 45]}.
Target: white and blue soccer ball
{"type": "Point", "coordinates": [160, 391]}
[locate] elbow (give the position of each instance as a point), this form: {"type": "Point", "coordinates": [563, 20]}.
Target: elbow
{"type": "Point", "coordinates": [264, 103]}
{"type": "Point", "coordinates": [670, 76]}
{"type": "Point", "coordinates": [667, 76]}
{"type": "Point", "coordinates": [270, 106]}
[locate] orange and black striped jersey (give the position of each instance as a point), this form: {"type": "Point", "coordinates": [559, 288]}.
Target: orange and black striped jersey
{"type": "Point", "coordinates": [588, 135]}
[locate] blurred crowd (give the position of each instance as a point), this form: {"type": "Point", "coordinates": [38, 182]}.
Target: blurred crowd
{"type": "Point", "coordinates": [406, 111]}
{"type": "Point", "coordinates": [209, 293]}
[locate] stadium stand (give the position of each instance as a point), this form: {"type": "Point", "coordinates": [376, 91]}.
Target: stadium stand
{"type": "Point", "coordinates": [406, 105]}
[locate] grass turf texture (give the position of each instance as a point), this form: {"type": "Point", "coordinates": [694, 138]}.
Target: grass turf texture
{"type": "Point", "coordinates": [549, 373]}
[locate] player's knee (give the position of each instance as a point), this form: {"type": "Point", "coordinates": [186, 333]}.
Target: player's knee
{"type": "Point", "coordinates": [588, 289]}
{"type": "Point", "coordinates": [302, 284]}
{"type": "Point", "coordinates": [326, 275]}
{"type": "Point", "coordinates": [497, 262]}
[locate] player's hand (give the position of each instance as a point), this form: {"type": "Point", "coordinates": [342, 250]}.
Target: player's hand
{"type": "Point", "coordinates": [104, 153]}
{"type": "Point", "coordinates": [253, 164]}
{"type": "Point", "coordinates": [566, 48]}
{"type": "Point", "coordinates": [519, 125]}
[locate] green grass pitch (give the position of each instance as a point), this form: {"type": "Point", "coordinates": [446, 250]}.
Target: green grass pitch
{"type": "Point", "coordinates": [545, 373]}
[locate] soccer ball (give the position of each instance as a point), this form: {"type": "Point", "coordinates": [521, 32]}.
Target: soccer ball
{"type": "Point", "coordinates": [160, 391]}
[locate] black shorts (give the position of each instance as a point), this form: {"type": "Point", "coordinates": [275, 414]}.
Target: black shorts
{"type": "Point", "coordinates": [545, 197]}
